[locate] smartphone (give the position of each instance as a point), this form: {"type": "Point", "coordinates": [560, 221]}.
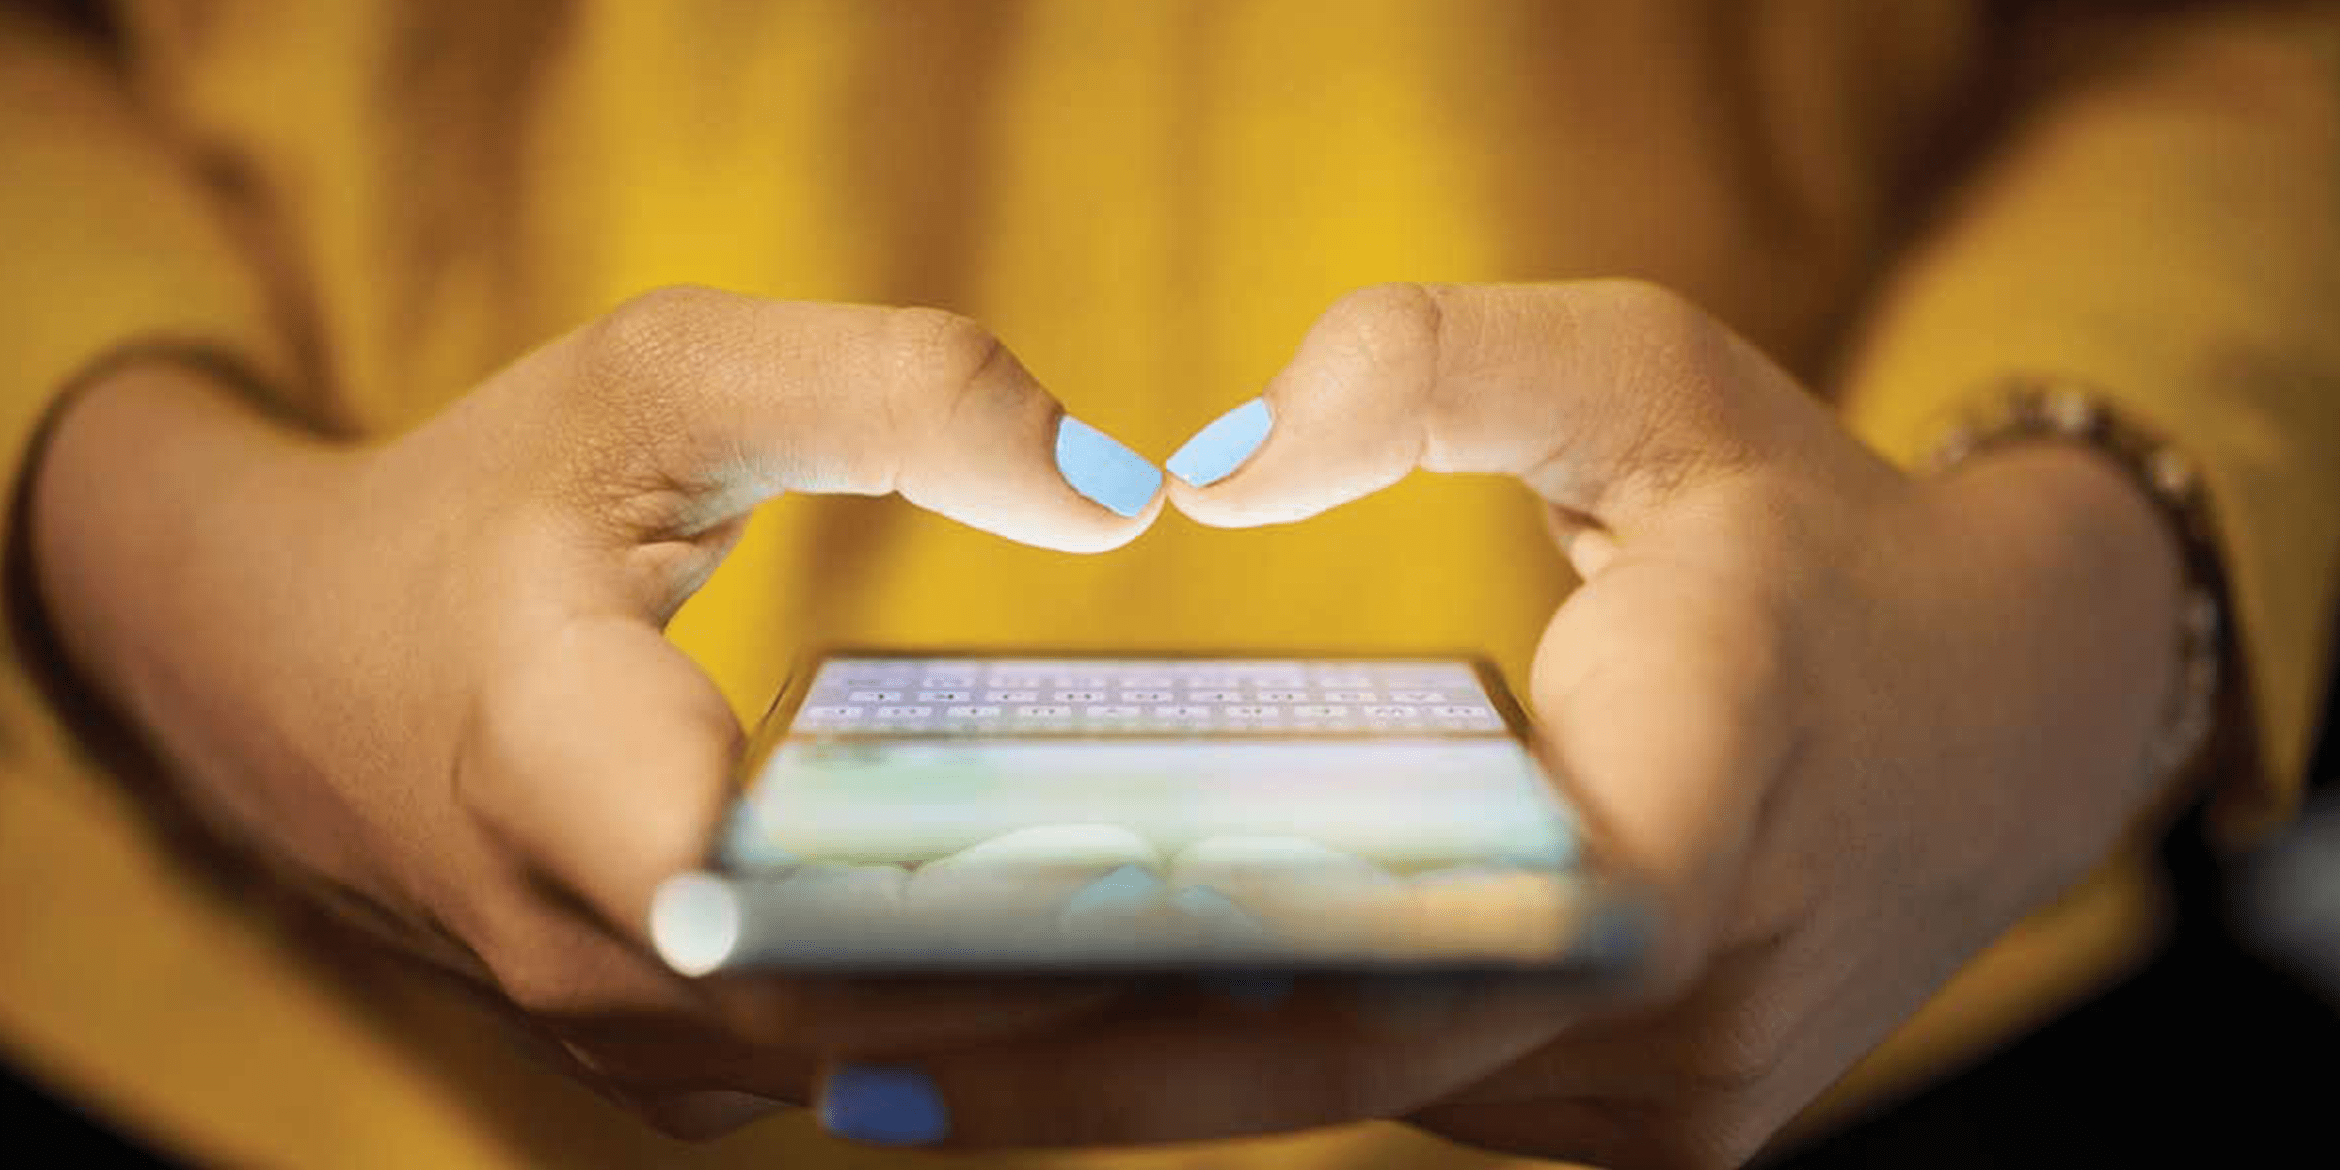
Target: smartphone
{"type": "Point", "coordinates": [958, 812]}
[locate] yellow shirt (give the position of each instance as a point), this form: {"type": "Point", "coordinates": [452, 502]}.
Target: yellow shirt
{"type": "Point", "coordinates": [1149, 202]}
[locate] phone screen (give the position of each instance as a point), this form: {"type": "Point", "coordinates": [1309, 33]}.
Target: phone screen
{"type": "Point", "coordinates": [950, 812]}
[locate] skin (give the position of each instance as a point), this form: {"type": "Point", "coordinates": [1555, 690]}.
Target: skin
{"type": "Point", "coordinates": [427, 676]}
{"type": "Point", "coordinates": [1851, 724]}
{"type": "Point", "coordinates": [1854, 725]}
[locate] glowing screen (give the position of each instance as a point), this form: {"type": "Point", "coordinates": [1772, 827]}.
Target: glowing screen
{"type": "Point", "coordinates": [941, 812]}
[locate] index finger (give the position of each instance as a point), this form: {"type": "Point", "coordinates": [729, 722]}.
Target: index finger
{"type": "Point", "coordinates": [707, 403]}
{"type": "Point", "coordinates": [1605, 397]}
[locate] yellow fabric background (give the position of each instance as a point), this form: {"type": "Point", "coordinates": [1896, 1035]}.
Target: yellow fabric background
{"type": "Point", "coordinates": [1149, 202]}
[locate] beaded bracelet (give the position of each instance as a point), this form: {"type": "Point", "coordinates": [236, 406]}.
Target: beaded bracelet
{"type": "Point", "coordinates": [2034, 409]}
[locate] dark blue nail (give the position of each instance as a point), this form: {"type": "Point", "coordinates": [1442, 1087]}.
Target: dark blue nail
{"type": "Point", "coordinates": [884, 1105]}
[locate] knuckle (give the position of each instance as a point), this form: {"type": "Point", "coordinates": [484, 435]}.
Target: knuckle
{"type": "Point", "coordinates": [947, 366]}
{"type": "Point", "coordinates": [1651, 309]}
{"type": "Point", "coordinates": [535, 968]}
{"type": "Point", "coordinates": [1388, 320]}
{"type": "Point", "coordinates": [637, 348]}
{"type": "Point", "coordinates": [1682, 366]}
{"type": "Point", "coordinates": [942, 353]}
{"type": "Point", "coordinates": [1731, 1068]}
{"type": "Point", "coordinates": [1396, 331]}
{"type": "Point", "coordinates": [475, 784]}
{"type": "Point", "coordinates": [1671, 338]}
{"type": "Point", "coordinates": [514, 732]}
{"type": "Point", "coordinates": [551, 959]}
{"type": "Point", "coordinates": [500, 737]}
{"type": "Point", "coordinates": [628, 417]}
{"type": "Point", "coordinates": [541, 993]}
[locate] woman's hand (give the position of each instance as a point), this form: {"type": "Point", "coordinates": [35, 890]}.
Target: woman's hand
{"type": "Point", "coordinates": [427, 676]}
{"type": "Point", "coordinates": [1852, 726]}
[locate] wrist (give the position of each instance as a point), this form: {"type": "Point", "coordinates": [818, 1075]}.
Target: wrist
{"type": "Point", "coordinates": [208, 578]}
{"type": "Point", "coordinates": [2080, 514]}
{"type": "Point", "coordinates": [165, 531]}
{"type": "Point", "coordinates": [2089, 578]}
{"type": "Point", "coordinates": [159, 498]}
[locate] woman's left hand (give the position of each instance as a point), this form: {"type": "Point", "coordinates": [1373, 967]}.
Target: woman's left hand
{"type": "Point", "coordinates": [1852, 725]}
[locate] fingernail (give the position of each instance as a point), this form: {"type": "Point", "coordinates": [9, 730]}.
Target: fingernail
{"type": "Point", "coordinates": [1219, 448]}
{"type": "Point", "coordinates": [1099, 467]}
{"type": "Point", "coordinates": [1558, 851]}
{"type": "Point", "coordinates": [1230, 922]}
{"type": "Point", "coordinates": [883, 1105]}
{"type": "Point", "coordinates": [1123, 892]}
{"type": "Point", "coordinates": [1555, 850]}
{"type": "Point", "coordinates": [1619, 937]}
{"type": "Point", "coordinates": [695, 922]}
{"type": "Point", "coordinates": [748, 845]}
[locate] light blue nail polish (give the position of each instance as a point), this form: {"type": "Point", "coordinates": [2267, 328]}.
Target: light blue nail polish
{"type": "Point", "coordinates": [1102, 469]}
{"type": "Point", "coordinates": [1218, 449]}
{"type": "Point", "coordinates": [1234, 925]}
{"type": "Point", "coordinates": [1230, 922]}
{"type": "Point", "coordinates": [1554, 852]}
{"type": "Point", "coordinates": [1124, 891]}
{"type": "Point", "coordinates": [748, 845]}
{"type": "Point", "coordinates": [884, 1105]}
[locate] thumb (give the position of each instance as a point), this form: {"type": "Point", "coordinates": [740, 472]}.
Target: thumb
{"type": "Point", "coordinates": [685, 407]}
{"type": "Point", "coordinates": [1610, 399]}
{"type": "Point", "coordinates": [1660, 692]}
{"type": "Point", "coordinates": [605, 759]}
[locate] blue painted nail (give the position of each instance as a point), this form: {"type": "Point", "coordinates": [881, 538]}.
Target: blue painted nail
{"type": "Point", "coordinates": [1230, 922]}
{"type": "Point", "coordinates": [1102, 469]}
{"type": "Point", "coordinates": [748, 845]}
{"type": "Point", "coordinates": [883, 1105]}
{"type": "Point", "coordinates": [1555, 851]}
{"type": "Point", "coordinates": [1620, 936]}
{"type": "Point", "coordinates": [1233, 924]}
{"type": "Point", "coordinates": [1218, 449]}
{"type": "Point", "coordinates": [1124, 891]}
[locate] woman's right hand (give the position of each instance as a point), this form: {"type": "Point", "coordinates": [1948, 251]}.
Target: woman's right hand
{"type": "Point", "coordinates": [428, 675]}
